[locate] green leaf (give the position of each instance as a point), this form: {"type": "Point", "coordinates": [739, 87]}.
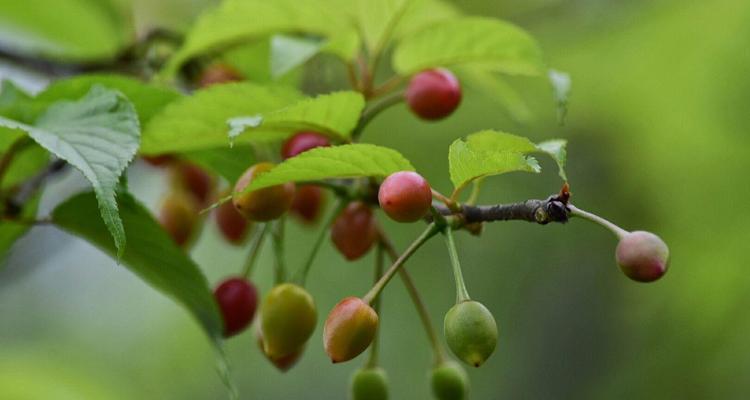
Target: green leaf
{"type": "Point", "coordinates": [335, 114]}
{"type": "Point", "coordinates": [236, 22]}
{"type": "Point", "coordinates": [289, 52]}
{"type": "Point", "coordinates": [228, 162]}
{"type": "Point", "coordinates": [488, 153]}
{"type": "Point", "coordinates": [11, 231]}
{"type": "Point", "coordinates": [15, 103]}
{"type": "Point", "coordinates": [68, 30]}
{"type": "Point", "coordinates": [344, 45]}
{"type": "Point", "coordinates": [561, 86]}
{"type": "Point", "coordinates": [199, 121]}
{"type": "Point", "coordinates": [98, 135]}
{"type": "Point", "coordinates": [555, 148]}
{"type": "Point", "coordinates": [148, 99]}
{"type": "Point", "coordinates": [488, 43]}
{"type": "Point", "coordinates": [151, 255]}
{"type": "Point", "coordinates": [346, 161]}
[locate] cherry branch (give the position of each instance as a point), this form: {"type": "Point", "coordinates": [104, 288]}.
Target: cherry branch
{"type": "Point", "coordinates": [553, 209]}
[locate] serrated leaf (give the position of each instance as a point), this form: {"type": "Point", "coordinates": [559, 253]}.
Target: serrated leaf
{"type": "Point", "coordinates": [151, 255]}
{"type": "Point", "coordinates": [228, 162]}
{"type": "Point", "coordinates": [334, 114]}
{"type": "Point", "coordinates": [199, 121]}
{"type": "Point", "coordinates": [561, 86]}
{"type": "Point", "coordinates": [488, 153]}
{"type": "Point", "coordinates": [556, 148]}
{"type": "Point", "coordinates": [484, 42]}
{"type": "Point", "coordinates": [98, 135]}
{"type": "Point", "coordinates": [70, 30]}
{"type": "Point", "coordinates": [289, 52]}
{"type": "Point", "coordinates": [239, 21]}
{"type": "Point", "coordinates": [346, 161]}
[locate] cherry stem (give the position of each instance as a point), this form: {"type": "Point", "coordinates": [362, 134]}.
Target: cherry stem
{"type": "Point", "coordinates": [278, 250]}
{"type": "Point", "coordinates": [577, 212]}
{"type": "Point", "coordinates": [461, 293]}
{"type": "Point", "coordinates": [301, 275]}
{"type": "Point", "coordinates": [387, 86]}
{"type": "Point", "coordinates": [411, 288]}
{"type": "Point", "coordinates": [256, 243]}
{"type": "Point", "coordinates": [431, 230]}
{"type": "Point", "coordinates": [450, 203]}
{"type": "Point", "coordinates": [373, 111]}
{"type": "Point", "coordinates": [476, 187]}
{"type": "Point", "coordinates": [372, 362]}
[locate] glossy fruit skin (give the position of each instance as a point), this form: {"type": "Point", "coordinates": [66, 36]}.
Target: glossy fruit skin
{"type": "Point", "coordinates": [195, 180]}
{"type": "Point", "coordinates": [218, 73]}
{"type": "Point", "coordinates": [642, 256]}
{"type": "Point", "coordinates": [405, 196]}
{"type": "Point", "coordinates": [308, 204]}
{"type": "Point", "coordinates": [237, 299]}
{"type": "Point", "coordinates": [433, 94]}
{"type": "Point", "coordinates": [354, 231]}
{"type": "Point", "coordinates": [369, 384]}
{"type": "Point", "coordinates": [349, 329]}
{"type": "Point", "coordinates": [264, 204]}
{"type": "Point", "coordinates": [178, 216]}
{"type": "Point", "coordinates": [449, 381]}
{"type": "Point", "coordinates": [288, 319]}
{"type": "Point", "coordinates": [284, 363]}
{"type": "Point", "coordinates": [471, 332]}
{"type": "Point", "coordinates": [303, 141]}
{"type": "Point", "coordinates": [232, 225]}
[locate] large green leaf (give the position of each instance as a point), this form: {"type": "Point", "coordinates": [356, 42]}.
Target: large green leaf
{"type": "Point", "coordinates": [489, 43]}
{"type": "Point", "coordinates": [347, 161]}
{"type": "Point", "coordinates": [151, 255]}
{"type": "Point", "coordinates": [335, 114]}
{"type": "Point", "coordinates": [98, 135]}
{"type": "Point", "coordinates": [148, 99]}
{"type": "Point", "coordinates": [238, 21]}
{"type": "Point", "coordinates": [199, 121]}
{"type": "Point", "coordinates": [70, 30]}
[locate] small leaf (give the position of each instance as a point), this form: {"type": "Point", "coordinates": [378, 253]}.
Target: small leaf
{"type": "Point", "coordinates": [555, 148]}
{"type": "Point", "coordinates": [561, 86]}
{"type": "Point", "coordinates": [346, 161]}
{"type": "Point", "coordinates": [489, 153]}
{"type": "Point", "coordinates": [488, 43]}
{"type": "Point", "coordinates": [199, 121]}
{"type": "Point", "coordinates": [289, 52]}
{"type": "Point", "coordinates": [335, 114]}
{"type": "Point", "coordinates": [98, 135]}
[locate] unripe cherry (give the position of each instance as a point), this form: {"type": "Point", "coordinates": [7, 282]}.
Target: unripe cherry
{"type": "Point", "coordinates": [178, 216]}
{"type": "Point", "coordinates": [284, 363]}
{"type": "Point", "coordinates": [433, 94]}
{"type": "Point", "coordinates": [263, 204]}
{"type": "Point", "coordinates": [302, 142]}
{"type": "Point", "coordinates": [642, 256]}
{"type": "Point", "coordinates": [449, 381]}
{"type": "Point", "coordinates": [218, 73]}
{"type": "Point", "coordinates": [308, 203]}
{"type": "Point", "coordinates": [369, 383]}
{"type": "Point", "coordinates": [237, 299]}
{"type": "Point", "coordinates": [232, 225]}
{"type": "Point", "coordinates": [288, 319]}
{"type": "Point", "coordinates": [349, 329]}
{"type": "Point", "coordinates": [354, 231]}
{"type": "Point", "coordinates": [195, 180]}
{"type": "Point", "coordinates": [471, 332]}
{"type": "Point", "coordinates": [405, 196]}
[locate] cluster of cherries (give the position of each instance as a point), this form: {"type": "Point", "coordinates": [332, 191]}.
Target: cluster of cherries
{"type": "Point", "coordinates": [288, 313]}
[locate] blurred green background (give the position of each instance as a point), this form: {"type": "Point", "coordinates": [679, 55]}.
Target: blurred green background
{"type": "Point", "coordinates": [658, 141]}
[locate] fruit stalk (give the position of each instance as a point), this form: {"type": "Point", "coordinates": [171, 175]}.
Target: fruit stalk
{"type": "Point", "coordinates": [461, 293]}
{"type": "Point", "coordinates": [257, 243]}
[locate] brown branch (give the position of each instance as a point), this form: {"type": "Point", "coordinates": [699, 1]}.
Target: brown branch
{"type": "Point", "coordinates": [553, 209]}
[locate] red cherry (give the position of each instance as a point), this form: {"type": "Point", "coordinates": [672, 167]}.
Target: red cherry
{"type": "Point", "coordinates": [433, 94]}
{"type": "Point", "coordinates": [238, 300]}
{"type": "Point", "coordinates": [308, 203]}
{"type": "Point", "coordinates": [354, 231]}
{"type": "Point", "coordinates": [196, 181]}
{"type": "Point", "coordinates": [405, 196]}
{"type": "Point", "coordinates": [303, 141]}
{"type": "Point", "coordinates": [232, 225]}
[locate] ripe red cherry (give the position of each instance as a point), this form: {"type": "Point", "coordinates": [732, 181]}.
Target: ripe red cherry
{"type": "Point", "coordinates": [405, 196]}
{"type": "Point", "coordinates": [232, 225]}
{"type": "Point", "coordinates": [354, 231]}
{"type": "Point", "coordinates": [218, 73]}
{"type": "Point", "coordinates": [195, 180]}
{"type": "Point", "coordinates": [307, 204]}
{"type": "Point", "coordinates": [303, 141]}
{"type": "Point", "coordinates": [238, 300]}
{"type": "Point", "coordinates": [433, 94]}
